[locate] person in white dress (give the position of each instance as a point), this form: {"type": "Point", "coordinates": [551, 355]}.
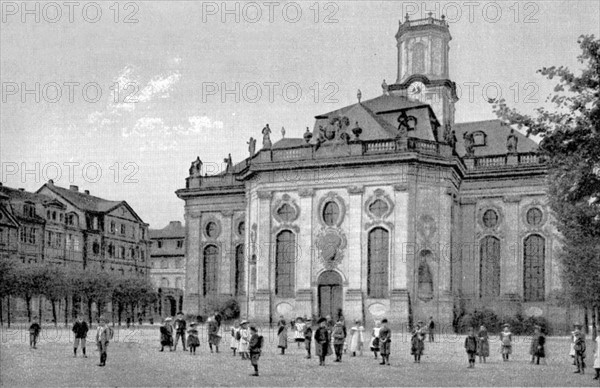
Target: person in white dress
{"type": "Point", "coordinates": [244, 340]}
{"type": "Point", "coordinates": [357, 338]}
{"type": "Point", "coordinates": [299, 331]}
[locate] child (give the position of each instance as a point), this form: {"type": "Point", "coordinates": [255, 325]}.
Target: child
{"type": "Point", "coordinates": [471, 347]}
{"type": "Point", "coordinates": [192, 340]}
{"type": "Point", "coordinates": [597, 358]}
{"type": "Point", "coordinates": [34, 333]}
{"type": "Point", "coordinates": [537, 345]}
{"type": "Point", "coordinates": [282, 335]}
{"type": "Point", "coordinates": [299, 334]}
{"type": "Point", "coordinates": [339, 336]}
{"type": "Point", "coordinates": [483, 344]}
{"type": "Point", "coordinates": [308, 336]}
{"type": "Point", "coordinates": [235, 337]}
{"type": "Point", "coordinates": [357, 338]}
{"type": "Point", "coordinates": [80, 328]}
{"type": "Point", "coordinates": [103, 337]}
{"type": "Point", "coordinates": [374, 344]}
{"type": "Point", "coordinates": [506, 342]}
{"type": "Point", "coordinates": [244, 340]}
{"type": "Point", "coordinates": [573, 339]}
{"type": "Point", "coordinates": [385, 342]}
{"type": "Point", "coordinates": [254, 347]}
{"type": "Point", "coordinates": [166, 335]}
{"type": "Point", "coordinates": [580, 353]}
{"type": "Point", "coordinates": [322, 341]}
{"type": "Point", "coordinates": [417, 342]}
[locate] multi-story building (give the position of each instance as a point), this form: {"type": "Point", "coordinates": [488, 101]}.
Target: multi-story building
{"type": "Point", "coordinates": [65, 226]}
{"type": "Point", "coordinates": [167, 270]}
{"type": "Point", "coordinates": [387, 208]}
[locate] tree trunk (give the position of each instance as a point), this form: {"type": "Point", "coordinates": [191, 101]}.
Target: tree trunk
{"type": "Point", "coordinates": [595, 323]}
{"type": "Point", "coordinates": [1, 316]}
{"type": "Point", "coordinates": [585, 321]}
{"type": "Point", "coordinates": [28, 303]}
{"type": "Point", "coordinates": [40, 309]}
{"type": "Point", "coordinates": [89, 305]}
{"type": "Point", "coordinates": [66, 311]}
{"type": "Point", "coordinates": [54, 317]}
{"type": "Point", "coordinates": [8, 310]}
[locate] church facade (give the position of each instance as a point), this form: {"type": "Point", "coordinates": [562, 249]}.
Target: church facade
{"type": "Point", "coordinates": [386, 208]}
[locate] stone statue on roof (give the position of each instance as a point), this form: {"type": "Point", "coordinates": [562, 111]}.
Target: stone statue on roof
{"type": "Point", "coordinates": [282, 132]}
{"type": "Point", "coordinates": [251, 146]}
{"type": "Point", "coordinates": [228, 164]}
{"type": "Point", "coordinates": [469, 143]}
{"type": "Point", "coordinates": [266, 132]}
{"type": "Point", "coordinates": [511, 142]}
{"type": "Point", "coordinates": [385, 88]}
{"type": "Point", "coordinates": [196, 167]}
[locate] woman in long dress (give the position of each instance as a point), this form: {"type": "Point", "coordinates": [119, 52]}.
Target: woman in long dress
{"type": "Point", "coordinates": [506, 343]}
{"type": "Point", "coordinates": [244, 340]}
{"type": "Point", "coordinates": [483, 344]}
{"type": "Point", "coordinates": [213, 334]}
{"type": "Point", "coordinates": [357, 338]}
{"type": "Point", "coordinates": [282, 334]}
{"type": "Point", "coordinates": [166, 335]}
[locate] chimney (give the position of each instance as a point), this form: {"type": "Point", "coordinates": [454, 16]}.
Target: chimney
{"type": "Point", "coordinates": [21, 189]}
{"type": "Point", "coordinates": [74, 188]}
{"type": "Point", "coordinates": [87, 192]}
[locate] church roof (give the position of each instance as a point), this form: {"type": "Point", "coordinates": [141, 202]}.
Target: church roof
{"type": "Point", "coordinates": [496, 133]}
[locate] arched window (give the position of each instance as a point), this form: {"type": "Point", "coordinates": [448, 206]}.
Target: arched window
{"type": "Point", "coordinates": [331, 213]}
{"type": "Point", "coordinates": [285, 263]}
{"type": "Point", "coordinates": [164, 283]}
{"type": "Point", "coordinates": [489, 268]}
{"type": "Point", "coordinates": [533, 268]}
{"type": "Point", "coordinates": [425, 279]}
{"type": "Point", "coordinates": [378, 263]}
{"type": "Point", "coordinates": [164, 264]}
{"type": "Point", "coordinates": [239, 269]}
{"type": "Point", "coordinates": [418, 58]}
{"type": "Point", "coordinates": [211, 266]}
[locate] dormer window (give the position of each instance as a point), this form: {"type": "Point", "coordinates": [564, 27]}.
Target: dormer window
{"type": "Point", "coordinates": [479, 138]}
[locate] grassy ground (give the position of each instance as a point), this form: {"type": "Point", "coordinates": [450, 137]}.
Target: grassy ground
{"type": "Point", "coordinates": [134, 360]}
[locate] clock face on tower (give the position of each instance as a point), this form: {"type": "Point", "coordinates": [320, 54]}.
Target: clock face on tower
{"type": "Point", "coordinates": [416, 90]}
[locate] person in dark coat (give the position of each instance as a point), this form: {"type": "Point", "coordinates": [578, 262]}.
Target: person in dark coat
{"type": "Point", "coordinates": [255, 347]}
{"type": "Point", "coordinates": [308, 332]}
{"type": "Point", "coordinates": [431, 329]}
{"type": "Point", "coordinates": [282, 335]}
{"type": "Point", "coordinates": [180, 328]}
{"type": "Point", "coordinates": [322, 341]}
{"type": "Point", "coordinates": [339, 337]}
{"type": "Point", "coordinates": [213, 333]}
{"type": "Point", "coordinates": [471, 347]}
{"type": "Point", "coordinates": [580, 348]}
{"type": "Point", "coordinates": [80, 329]}
{"type": "Point", "coordinates": [483, 344]}
{"type": "Point", "coordinates": [192, 339]}
{"type": "Point", "coordinates": [166, 335]}
{"type": "Point", "coordinates": [385, 342]}
{"type": "Point", "coordinates": [537, 349]}
{"type": "Point", "coordinates": [34, 333]}
{"type": "Point", "coordinates": [417, 342]}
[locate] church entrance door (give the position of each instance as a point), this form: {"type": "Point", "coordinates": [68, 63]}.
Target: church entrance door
{"type": "Point", "coordinates": [330, 294]}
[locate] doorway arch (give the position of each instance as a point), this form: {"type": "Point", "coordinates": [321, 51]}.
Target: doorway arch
{"type": "Point", "coordinates": [330, 294]}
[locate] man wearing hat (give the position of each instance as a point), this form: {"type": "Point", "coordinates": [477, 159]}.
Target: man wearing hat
{"type": "Point", "coordinates": [580, 348]}
{"type": "Point", "coordinates": [385, 340]}
{"type": "Point", "coordinates": [254, 347]}
{"type": "Point", "coordinates": [103, 336]}
{"type": "Point", "coordinates": [180, 328]}
{"type": "Point", "coordinates": [322, 341]}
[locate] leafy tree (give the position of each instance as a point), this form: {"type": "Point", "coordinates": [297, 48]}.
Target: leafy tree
{"type": "Point", "coordinates": [57, 287]}
{"type": "Point", "coordinates": [7, 285]}
{"type": "Point", "coordinates": [570, 132]}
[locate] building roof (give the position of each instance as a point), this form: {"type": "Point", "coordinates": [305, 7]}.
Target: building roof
{"type": "Point", "coordinates": [22, 195]}
{"type": "Point", "coordinates": [288, 142]}
{"type": "Point", "coordinates": [174, 230]}
{"type": "Point", "coordinates": [496, 133]}
{"type": "Point", "coordinates": [83, 201]}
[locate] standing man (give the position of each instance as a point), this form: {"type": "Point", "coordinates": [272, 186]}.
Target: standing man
{"type": "Point", "coordinates": [322, 341]}
{"type": "Point", "coordinates": [431, 329]}
{"type": "Point", "coordinates": [80, 328]}
{"type": "Point", "coordinates": [180, 328]}
{"type": "Point", "coordinates": [103, 336]}
{"type": "Point", "coordinates": [34, 333]}
{"type": "Point", "coordinates": [254, 347]}
{"type": "Point", "coordinates": [385, 340]}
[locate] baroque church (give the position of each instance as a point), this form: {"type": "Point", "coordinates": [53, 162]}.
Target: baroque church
{"type": "Point", "coordinates": [387, 208]}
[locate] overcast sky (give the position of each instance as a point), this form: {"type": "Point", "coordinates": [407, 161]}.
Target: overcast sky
{"type": "Point", "coordinates": [163, 69]}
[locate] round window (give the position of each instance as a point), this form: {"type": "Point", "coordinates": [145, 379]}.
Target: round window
{"type": "Point", "coordinates": [212, 230]}
{"type": "Point", "coordinates": [490, 218]}
{"type": "Point", "coordinates": [534, 216]}
{"type": "Point", "coordinates": [331, 213]}
{"type": "Point", "coordinates": [286, 212]}
{"type": "Point", "coordinates": [378, 208]}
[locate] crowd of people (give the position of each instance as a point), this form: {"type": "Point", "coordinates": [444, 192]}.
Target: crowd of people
{"type": "Point", "coordinates": [329, 337]}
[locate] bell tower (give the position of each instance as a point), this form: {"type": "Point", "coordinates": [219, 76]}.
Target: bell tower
{"type": "Point", "coordinates": [423, 69]}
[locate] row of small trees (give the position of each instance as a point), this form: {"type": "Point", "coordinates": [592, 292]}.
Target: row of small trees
{"type": "Point", "coordinates": [71, 285]}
